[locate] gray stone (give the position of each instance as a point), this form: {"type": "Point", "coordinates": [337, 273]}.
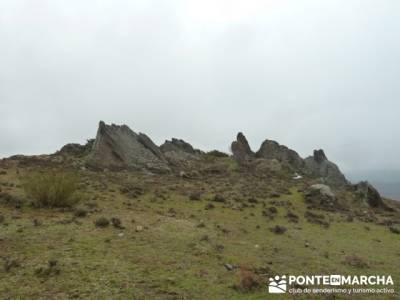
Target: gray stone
{"type": "Point", "coordinates": [369, 195]}
{"type": "Point", "coordinates": [288, 157]}
{"type": "Point", "coordinates": [262, 165]}
{"type": "Point", "coordinates": [118, 147]}
{"type": "Point", "coordinates": [180, 154]}
{"type": "Point", "coordinates": [149, 144]}
{"type": "Point", "coordinates": [319, 165]}
{"type": "Point", "coordinates": [178, 145]}
{"type": "Point", "coordinates": [241, 149]}
{"type": "Point", "coordinates": [321, 195]}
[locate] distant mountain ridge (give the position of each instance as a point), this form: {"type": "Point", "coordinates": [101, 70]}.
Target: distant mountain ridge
{"type": "Point", "coordinates": [386, 181]}
{"type": "Point", "coordinates": [118, 148]}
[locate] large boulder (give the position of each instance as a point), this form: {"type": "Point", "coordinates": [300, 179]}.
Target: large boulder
{"type": "Point", "coordinates": [241, 149]}
{"type": "Point", "coordinates": [369, 195]}
{"type": "Point", "coordinates": [319, 165]}
{"type": "Point", "coordinates": [287, 157]}
{"type": "Point", "coordinates": [262, 165]}
{"type": "Point", "coordinates": [321, 195]}
{"type": "Point", "coordinates": [118, 147]}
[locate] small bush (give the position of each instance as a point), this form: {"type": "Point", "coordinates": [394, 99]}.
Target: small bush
{"type": "Point", "coordinates": [102, 222]}
{"type": "Point", "coordinates": [356, 261]}
{"type": "Point", "coordinates": [247, 280]}
{"type": "Point", "coordinates": [216, 153]}
{"type": "Point", "coordinates": [52, 189]}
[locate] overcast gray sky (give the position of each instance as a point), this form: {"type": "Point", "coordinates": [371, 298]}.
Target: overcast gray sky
{"type": "Point", "coordinates": [309, 74]}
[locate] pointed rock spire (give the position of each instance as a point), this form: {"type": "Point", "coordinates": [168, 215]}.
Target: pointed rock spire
{"type": "Point", "coordinates": [241, 149]}
{"type": "Point", "coordinates": [118, 147]}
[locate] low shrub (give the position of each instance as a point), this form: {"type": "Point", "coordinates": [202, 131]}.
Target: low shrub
{"type": "Point", "coordinates": [247, 280]}
{"type": "Point", "coordinates": [52, 189]}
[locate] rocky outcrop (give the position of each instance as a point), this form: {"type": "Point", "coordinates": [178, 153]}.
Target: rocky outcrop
{"type": "Point", "coordinates": [321, 196]}
{"type": "Point", "coordinates": [263, 166]}
{"type": "Point", "coordinates": [149, 144]}
{"type": "Point", "coordinates": [369, 195]}
{"type": "Point", "coordinates": [180, 154]}
{"type": "Point", "coordinates": [74, 149]}
{"type": "Point", "coordinates": [178, 145]}
{"type": "Point", "coordinates": [287, 157]}
{"type": "Point", "coordinates": [319, 165]}
{"type": "Point", "coordinates": [241, 149]}
{"type": "Point", "coordinates": [118, 147]}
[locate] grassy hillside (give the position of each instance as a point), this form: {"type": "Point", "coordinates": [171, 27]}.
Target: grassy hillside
{"type": "Point", "coordinates": [173, 238]}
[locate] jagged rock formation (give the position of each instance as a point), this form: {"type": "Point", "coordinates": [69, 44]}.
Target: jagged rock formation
{"type": "Point", "coordinates": [287, 157]}
{"type": "Point", "coordinates": [178, 145]}
{"type": "Point", "coordinates": [76, 149]}
{"type": "Point", "coordinates": [118, 147]}
{"type": "Point", "coordinates": [320, 166]}
{"type": "Point", "coordinates": [241, 149]}
{"type": "Point", "coordinates": [148, 143]}
{"type": "Point", "coordinates": [369, 195]}
{"type": "Point", "coordinates": [179, 153]}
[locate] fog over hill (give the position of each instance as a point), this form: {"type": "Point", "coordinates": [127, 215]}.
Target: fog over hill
{"type": "Point", "coordinates": [386, 181]}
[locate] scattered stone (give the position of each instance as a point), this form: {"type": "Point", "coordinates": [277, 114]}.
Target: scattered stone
{"type": "Point", "coordinates": [139, 228]}
{"type": "Point", "coordinates": [229, 267]}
